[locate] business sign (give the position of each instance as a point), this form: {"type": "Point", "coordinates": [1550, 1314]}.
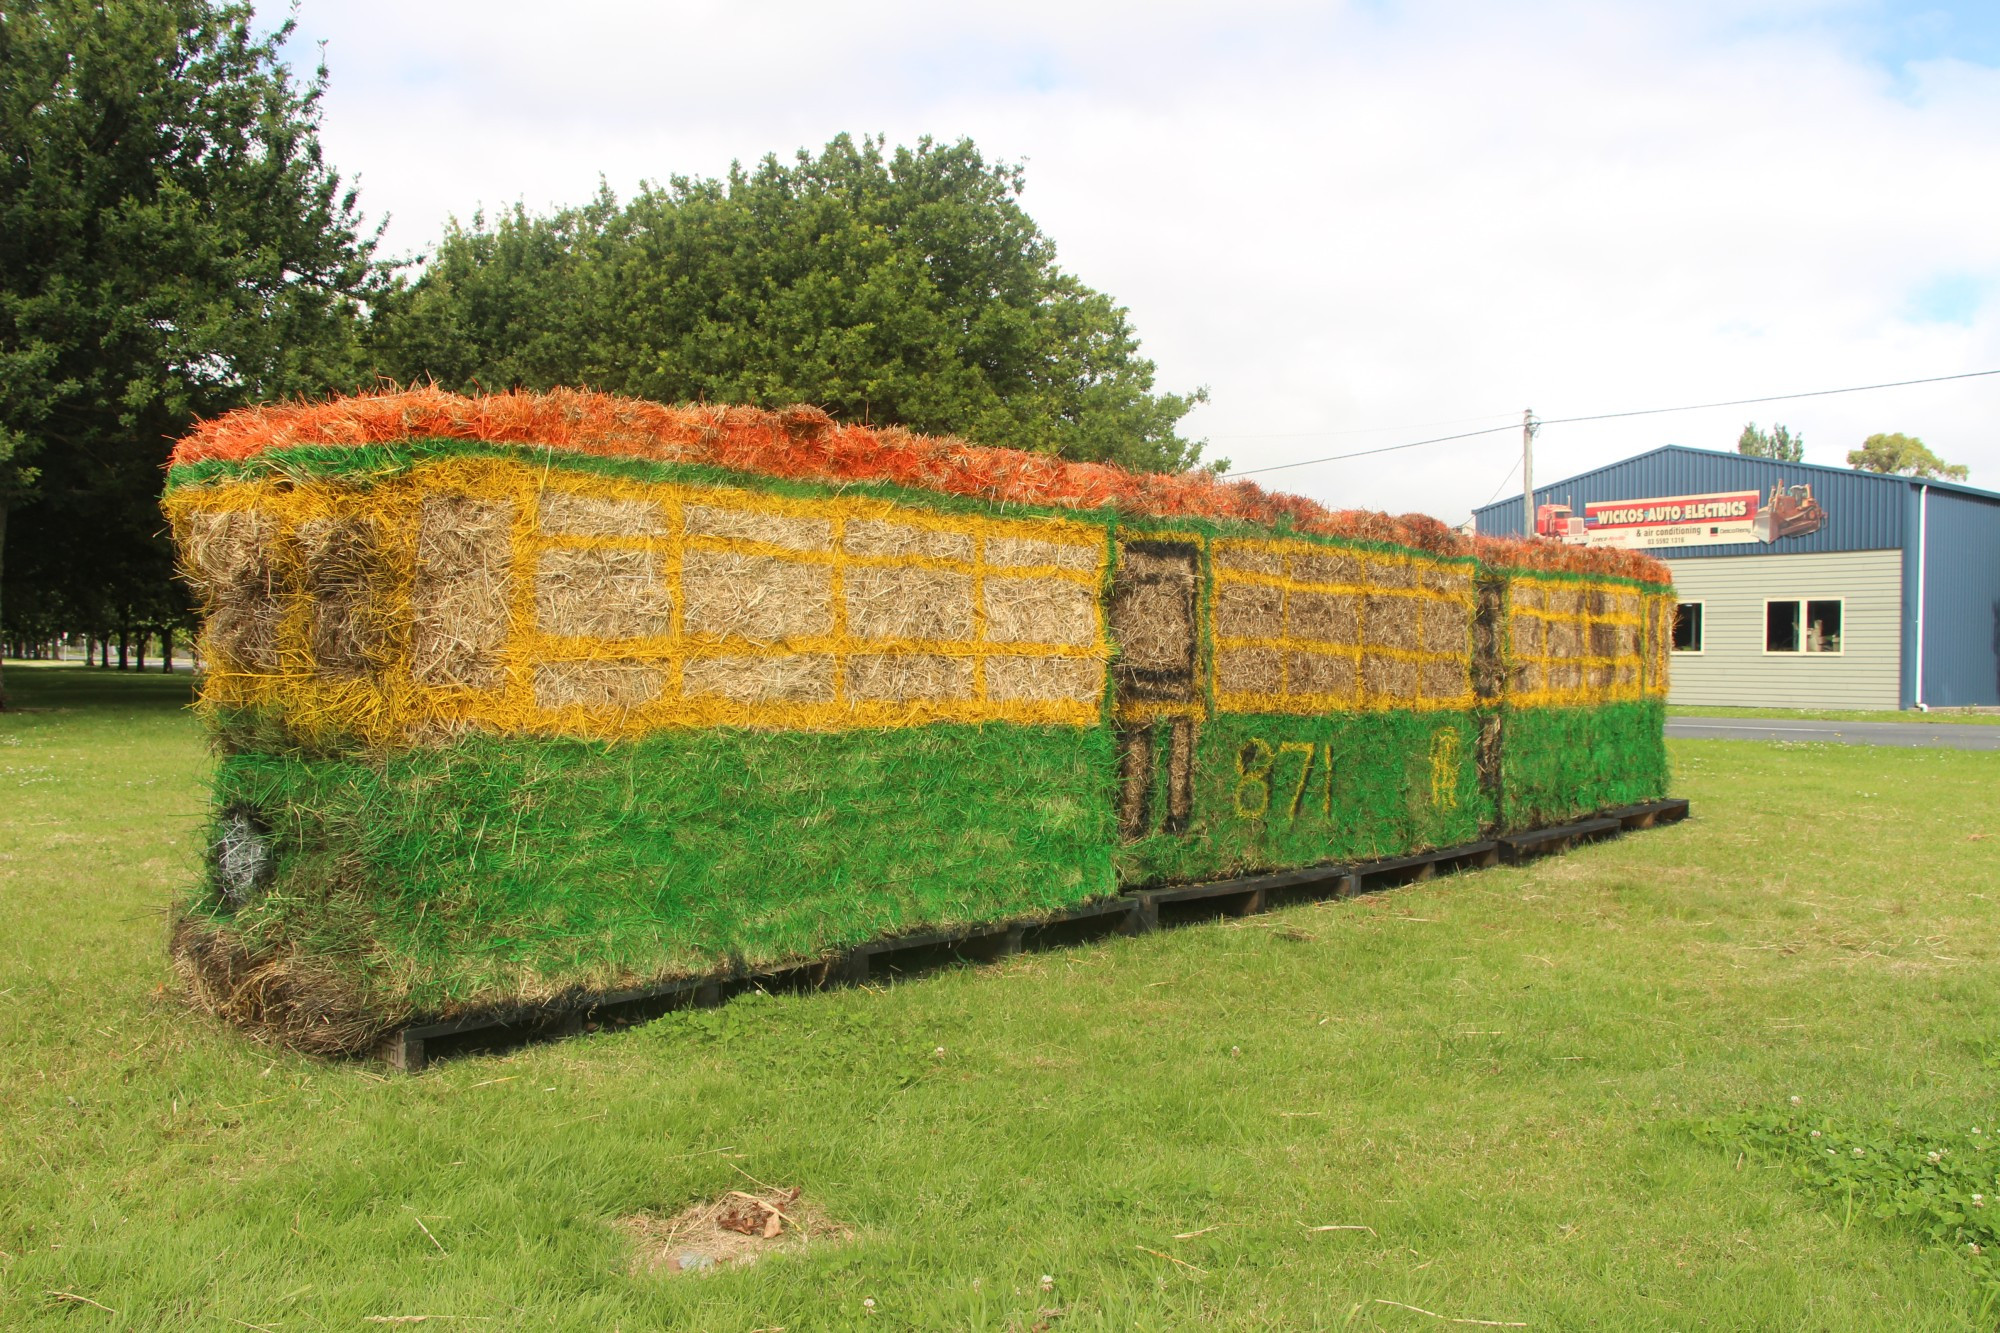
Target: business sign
{"type": "Point", "coordinates": [1725, 518]}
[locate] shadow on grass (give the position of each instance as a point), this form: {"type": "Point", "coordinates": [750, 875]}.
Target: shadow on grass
{"type": "Point", "coordinates": [72, 686]}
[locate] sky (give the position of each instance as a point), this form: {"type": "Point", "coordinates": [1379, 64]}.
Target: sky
{"type": "Point", "coordinates": [1357, 224]}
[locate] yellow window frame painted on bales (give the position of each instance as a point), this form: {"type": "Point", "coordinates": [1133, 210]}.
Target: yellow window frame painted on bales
{"type": "Point", "coordinates": [717, 551]}
{"type": "Point", "coordinates": [1576, 642]}
{"type": "Point", "coordinates": [1419, 659]}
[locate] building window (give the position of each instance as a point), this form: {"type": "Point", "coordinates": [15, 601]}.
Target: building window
{"type": "Point", "coordinates": [1687, 627]}
{"type": "Point", "coordinates": [1802, 626]}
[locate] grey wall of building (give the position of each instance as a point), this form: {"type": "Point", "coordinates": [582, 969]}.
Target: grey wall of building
{"type": "Point", "coordinates": [1733, 670]}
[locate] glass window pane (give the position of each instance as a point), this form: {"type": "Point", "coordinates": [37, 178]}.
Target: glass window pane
{"type": "Point", "coordinates": [1687, 627]}
{"type": "Point", "coordinates": [1781, 627]}
{"type": "Point", "coordinates": [1822, 627]}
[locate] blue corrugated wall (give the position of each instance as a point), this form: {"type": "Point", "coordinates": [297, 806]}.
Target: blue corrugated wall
{"type": "Point", "coordinates": [1864, 512]}
{"type": "Point", "coordinates": [1961, 601]}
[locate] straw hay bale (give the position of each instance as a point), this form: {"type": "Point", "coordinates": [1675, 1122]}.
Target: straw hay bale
{"type": "Point", "coordinates": [1323, 617]}
{"type": "Point", "coordinates": [602, 592]}
{"type": "Point", "coordinates": [1450, 580]}
{"type": "Point", "coordinates": [1390, 679]}
{"type": "Point", "coordinates": [458, 601]}
{"type": "Point", "coordinates": [1020, 551]}
{"type": "Point", "coordinates": [790, 678]}
{"type": "Point", "coordinates": [1322, 673]}
{"type": "Point", "coordinates": [1340, 569]}
{"type": "Point", "coordinates": [349, 579]}
{"type": "Point", "coordinates": [878, 537]}
{"type": "Point", "coordinates": [1524, 595]}
{"type": "Point", "coordinates": [1391, 574]}
{"type": "Point", "coordinates": [1626, 673]}
{"type": "Point", "coordinates": [311, 1004]}
{"type": "Point", "coordinates": [1235, 559]}
{"type": "Point", "coordinates": [1529, 678]}
{"type": "Point", "coordinates": [757, 597]}
{"type": "Point", "coordinates": [907, 602]}
{"type": "Point", "coordinates": [907, 677]}
{"type": "Point", "coordinates": [1044, 678]}
{"type": "Point", "coordinates": [749, 525]}
{"type": "Point", "coordinates": [1565, 639]}
{"type": "Point", "coordinates": [1444, 627]}
{"type": "Point", "coordinates": [1604, 639]}
{"type": "Point", "coordinates": [567, 514]}
{"type": "Point", "coordinates": [232, 561]}
{"type": "Point", "coordinates": [1391, 622]}
{"type": "Point", "coordinates": [1249, 611]}
{"type": "Point", "coordinates": [1625, 604]}
{"type": "Point", "coordinates": [1596, 601]}
{"type": "Point", "coordinates": [1135, 779]}
{"type": "Point", "coordinates": [1030, 610]}
{"type": "Point", "coordinates": [1442, 679]}
{"type": "Point", "coordinates": [597, 684]}
{"type": "Point", "coordinates": [1565, 600]}
{"type": "Point", "coordinates": [1180, 773]}
{"type": "Point", "coordinates": [1153, 615]}
{"type": "Point", "coordinates": [1565, 677]}
{"type": "Point", "coordinates": [1531, 636]}
{"type": "Point", "coordinates": [1249, 671]}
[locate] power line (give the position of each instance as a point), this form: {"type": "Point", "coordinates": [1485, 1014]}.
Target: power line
{"type": "Point", "coordinates": [1774, 398]}
{"type": "Point", "coordinates": [1363, 453]}
{"type": "Point", "coordinates": [1516, 467]}
{"type": "Point", "coordinates": [1612, 416]}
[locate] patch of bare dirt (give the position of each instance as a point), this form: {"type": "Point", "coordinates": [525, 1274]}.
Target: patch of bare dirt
{"type": "Point", "coordinates": [727, 1232]}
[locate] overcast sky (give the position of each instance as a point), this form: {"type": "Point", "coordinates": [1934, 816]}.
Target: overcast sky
{"type": "Point", "coordinates": [1357, 224]}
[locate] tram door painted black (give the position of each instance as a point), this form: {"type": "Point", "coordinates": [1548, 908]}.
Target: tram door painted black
{"type": "Point", "coordinates": [1155, 616]}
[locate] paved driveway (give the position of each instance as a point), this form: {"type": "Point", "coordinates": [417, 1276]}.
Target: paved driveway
{"type": "Point", "coordinates": [1940, 735]}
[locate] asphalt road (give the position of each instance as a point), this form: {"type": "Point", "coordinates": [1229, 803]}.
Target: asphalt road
{"type": "Point", "coordinates": [1938, 735]}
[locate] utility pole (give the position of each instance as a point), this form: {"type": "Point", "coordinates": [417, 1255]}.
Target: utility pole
{"type": "Point", "coordinates": [1528, 473]}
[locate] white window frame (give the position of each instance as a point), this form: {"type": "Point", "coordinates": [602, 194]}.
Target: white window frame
{"type": "Point", "coordinates": [1702, 637]}
{"type": "Point", "coordinates": [1802, 651]}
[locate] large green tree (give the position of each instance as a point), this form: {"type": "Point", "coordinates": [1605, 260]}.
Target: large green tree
{"type": "Point", "coordinates": [1904, 454]}
{"type": "Point", "coordinates": [172, 244]}
{"type": "Point", "coordinates": [903, 286]}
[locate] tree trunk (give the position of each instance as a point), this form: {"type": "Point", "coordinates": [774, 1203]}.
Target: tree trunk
{"type": "Point", "coordinates": [167, 648]}
{"type": "Point", "coordinates": [124, 647]}
{"type": "Point", "coordinates": [139, 656]}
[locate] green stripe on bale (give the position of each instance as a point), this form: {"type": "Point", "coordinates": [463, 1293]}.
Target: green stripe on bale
{"type": "Point", "coordinates": [501, 869]}
{"type": "Point", "coordinates": [1559, 764]}
{"type": "Point", "coordinates": [1398, 782]}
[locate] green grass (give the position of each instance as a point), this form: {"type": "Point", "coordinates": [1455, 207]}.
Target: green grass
{"type": "Point", "coordinates": [1841, 714]}
{"type": "Point", "coordinates": [1502, 1074]}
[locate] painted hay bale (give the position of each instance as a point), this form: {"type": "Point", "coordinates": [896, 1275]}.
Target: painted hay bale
{"type": "Point", "coordinates": [526, 697]}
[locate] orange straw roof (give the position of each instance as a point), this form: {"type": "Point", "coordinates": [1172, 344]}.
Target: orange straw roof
{"type": "Point", "coordinates": [804, 443]}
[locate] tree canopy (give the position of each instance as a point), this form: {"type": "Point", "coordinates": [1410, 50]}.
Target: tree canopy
{"type": "Point", "coordinates": [904, 287]}
{"type": "Point", "coordinates": [172, 244]}
{"type": "Point", "coordinates": [1778, 443]}
{"type": "Point", "coordinates": [1903, 454]}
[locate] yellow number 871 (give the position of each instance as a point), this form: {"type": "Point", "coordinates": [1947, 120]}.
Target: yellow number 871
{"type": "Point", "coordinates": [1253, 777]}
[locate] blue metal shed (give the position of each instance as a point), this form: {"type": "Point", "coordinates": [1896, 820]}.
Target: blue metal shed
{"type": "Point", "coordinates": [1905, 572]}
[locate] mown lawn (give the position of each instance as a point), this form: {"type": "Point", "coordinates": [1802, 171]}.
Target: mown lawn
{"type": "Point", "coordinates": [1496, 1075]}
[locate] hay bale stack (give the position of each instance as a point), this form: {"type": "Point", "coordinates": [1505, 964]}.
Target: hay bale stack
{"type": "Point", "coordinates": [527, 697]}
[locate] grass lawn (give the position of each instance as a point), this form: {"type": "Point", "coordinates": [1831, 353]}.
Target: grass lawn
{"type": "Point", "coordinates": [1496, 1076]}
{"type": "Point", "coordinates": [1987, 719]}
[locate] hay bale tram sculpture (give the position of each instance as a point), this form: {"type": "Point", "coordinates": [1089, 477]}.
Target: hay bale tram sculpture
{"type": "Point", "coordinates": [527, 698]}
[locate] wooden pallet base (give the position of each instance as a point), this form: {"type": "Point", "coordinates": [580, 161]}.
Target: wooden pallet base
{"type": "Point", "coordinates": [1135, 912]}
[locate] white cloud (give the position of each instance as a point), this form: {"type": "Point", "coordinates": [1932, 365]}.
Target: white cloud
{"type": "Point", "coordinates": [1340, 218]}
